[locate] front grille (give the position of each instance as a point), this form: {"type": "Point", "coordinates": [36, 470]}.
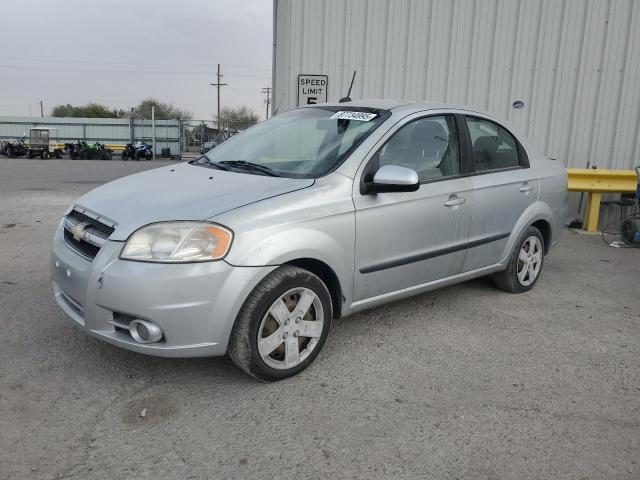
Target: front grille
{"type": "Point", "coordinates": [96, 226]}
{"type": "Point", "coordinates": [90, 231]}
{"type": "Point", "coordinates": [86, 249]}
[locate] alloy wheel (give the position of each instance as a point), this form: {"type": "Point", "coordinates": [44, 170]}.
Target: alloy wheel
{"type": "Point", "coordinates": [291, 329]}
{"type": "Point", "coordinates": [529, 261]}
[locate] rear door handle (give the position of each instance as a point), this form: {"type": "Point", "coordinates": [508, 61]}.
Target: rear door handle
{"type": "Point", "coordinates": [526, 188]}
{"type": "Point", "coordinates": [454, 201]}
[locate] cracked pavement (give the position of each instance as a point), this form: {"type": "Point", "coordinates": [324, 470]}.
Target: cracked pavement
{"type": "Point", "coordinates": [465, 382]}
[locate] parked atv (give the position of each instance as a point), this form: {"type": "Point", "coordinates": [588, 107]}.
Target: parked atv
{"type": "Point", "coordinates": [102, 152]}
{"type": "Point", "coordinates": [129, 152]}
{"type": "Point", "coordinates": [143, 151]}
{"type": "Point", "coordinates": [86, 151]}
{"type": "Point", "coordinates": [17, 148]}
{"type": "Point", "coordinates": [4, 144]}
{"type": "Point", "coordinates": [72, 150]}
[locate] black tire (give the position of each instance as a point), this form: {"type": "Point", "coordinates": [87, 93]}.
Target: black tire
{"type": "Point", "coordinates": [507, 279]}
{"type": "Point", "coordinates": [243, 342]}
{"type": "Point", "coordinates": [29, 154]}
{"type": "Point", "coordinates": [628, 231]}
{"type": "Point", "coordinates": [45, 155]}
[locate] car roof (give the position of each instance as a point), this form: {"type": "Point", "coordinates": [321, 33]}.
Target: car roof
{"type": "Point", "coordinates": [408, 107]}
{"type": "Point", "coordinates": [394, 104]}
{"type": "Point", "coordinates": [380, 103]}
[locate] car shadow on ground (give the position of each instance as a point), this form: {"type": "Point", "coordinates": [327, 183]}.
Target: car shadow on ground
{"type": "Point", "coordinates": [100, 359]}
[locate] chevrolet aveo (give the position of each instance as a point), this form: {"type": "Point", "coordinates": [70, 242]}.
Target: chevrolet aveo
{"type": "Point", "coordinates": [252, 249]}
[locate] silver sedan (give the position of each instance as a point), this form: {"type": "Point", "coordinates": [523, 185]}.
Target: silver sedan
{"type": "Point", "coordinates": [252, 249]}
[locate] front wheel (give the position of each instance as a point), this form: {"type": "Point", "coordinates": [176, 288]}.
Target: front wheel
{"type": "Point", "coordinates": [282, 325]}
{"type": "Point", "coordinates": [525, 263]}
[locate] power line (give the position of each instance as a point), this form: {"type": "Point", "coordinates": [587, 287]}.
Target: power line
{"type": "Point", "coordinates": [58, 61]}
{"type": "Point", "coordinates": [128, 71]}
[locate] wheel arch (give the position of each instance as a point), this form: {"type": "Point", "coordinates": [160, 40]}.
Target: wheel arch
{"type": "Point", "coordinates": [545, 229]}
{"type": "Point", "coordinates": [539, 215]}
{"type": "Point", "coordinates": [327, 275]}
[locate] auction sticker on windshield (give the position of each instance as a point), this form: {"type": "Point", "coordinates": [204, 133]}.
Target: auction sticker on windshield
{"type": "Point", "coordinates": [360, 116]}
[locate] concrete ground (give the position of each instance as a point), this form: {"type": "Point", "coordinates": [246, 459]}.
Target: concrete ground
{"type": "Point", "coordinates": [464, 383]}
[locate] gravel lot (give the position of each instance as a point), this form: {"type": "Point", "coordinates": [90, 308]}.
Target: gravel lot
{"type": "Point", "coordinates": [466, 382]}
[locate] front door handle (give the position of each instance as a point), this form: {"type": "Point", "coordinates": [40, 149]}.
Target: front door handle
{"type": "Point", "coordinates": [454, 201]}
{"type": "Point", "coordinates": [526, 188]}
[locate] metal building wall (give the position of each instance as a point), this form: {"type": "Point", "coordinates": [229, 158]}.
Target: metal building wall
{"type": "Point", "coordinates": [574, 63]}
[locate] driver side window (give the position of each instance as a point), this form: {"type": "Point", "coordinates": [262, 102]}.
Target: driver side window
{"type": "Point", "coordinates": [429, 145]}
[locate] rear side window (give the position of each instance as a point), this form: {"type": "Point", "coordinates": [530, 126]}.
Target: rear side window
{"type": "Point", "coordinates": [494, 147]}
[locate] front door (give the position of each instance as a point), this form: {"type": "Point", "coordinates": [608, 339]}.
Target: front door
{"type": "Point", "coordinates": [404, 239]}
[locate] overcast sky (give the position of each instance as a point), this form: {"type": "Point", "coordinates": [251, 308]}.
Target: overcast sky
{"type": "Point", "coordinates": [118, 52]}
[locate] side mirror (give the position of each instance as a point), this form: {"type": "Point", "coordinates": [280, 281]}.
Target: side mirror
{"type": "Point", "coordinates": [393, 178]}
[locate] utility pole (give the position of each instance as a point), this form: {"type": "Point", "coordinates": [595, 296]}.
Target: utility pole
{"type": "Point", "coordinates": [153, 130]}
{"type": "Point", "coordinates": [218, 85]}
{"type": "Point", "coordinates": [41, 109]}
{"type": "Point", "coordinates": [267, 92]}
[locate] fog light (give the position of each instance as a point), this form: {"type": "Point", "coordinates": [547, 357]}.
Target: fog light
{"type": "Point", "coordinates": [144, 332]}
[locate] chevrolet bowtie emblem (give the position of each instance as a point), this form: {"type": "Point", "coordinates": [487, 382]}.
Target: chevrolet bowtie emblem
{"type": "Point", "coordinates": [78, 231]}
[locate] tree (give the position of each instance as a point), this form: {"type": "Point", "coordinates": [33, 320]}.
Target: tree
{"type": "Point", "coordinates": [90, 110]}
{"type": "Point", "coordinates": [238, 118]}
{"type": "Point", "coordinates": [163, 111]}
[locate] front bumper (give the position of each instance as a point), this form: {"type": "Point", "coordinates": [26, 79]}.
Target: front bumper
{"type": "Point", "coordinates": [194, 304]}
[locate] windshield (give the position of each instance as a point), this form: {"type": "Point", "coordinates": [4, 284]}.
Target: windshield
{"type": "Point", "coordinates": [302, 143]}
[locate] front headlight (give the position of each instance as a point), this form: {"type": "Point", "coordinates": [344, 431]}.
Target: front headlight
{"type": "Point", "coordinates": [176, 242]}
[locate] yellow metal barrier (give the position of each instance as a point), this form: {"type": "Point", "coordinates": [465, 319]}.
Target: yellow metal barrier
{"type": "Point", "coordinates": [595, 182]}
{"type": "Point", "coordinates": [116, 147]}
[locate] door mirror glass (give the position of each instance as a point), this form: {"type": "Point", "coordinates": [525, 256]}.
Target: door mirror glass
{"type": "Point", "coordinates": [394, 178]}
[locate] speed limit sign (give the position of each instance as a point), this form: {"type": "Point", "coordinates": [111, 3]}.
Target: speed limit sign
{"type": "Point", "coordinates": [312, 89]}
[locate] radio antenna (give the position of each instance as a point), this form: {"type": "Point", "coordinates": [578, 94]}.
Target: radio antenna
{"type": "Point", "coordinates": [348, 97]}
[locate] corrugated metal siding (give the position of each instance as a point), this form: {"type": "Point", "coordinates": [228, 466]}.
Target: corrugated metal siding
{"type": "Point", "coordinates": [574, 63]}
{"type": "Point", "coordinates": [104, 130]}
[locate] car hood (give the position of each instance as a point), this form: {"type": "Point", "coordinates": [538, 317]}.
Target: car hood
{"type": "Point", "coordinates": [180, 192]}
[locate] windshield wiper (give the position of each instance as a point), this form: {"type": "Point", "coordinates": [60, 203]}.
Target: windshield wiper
{"type": "Point", "coordinates": [243, 164]}
{"type": "Point", "coordinates": [205, 162]}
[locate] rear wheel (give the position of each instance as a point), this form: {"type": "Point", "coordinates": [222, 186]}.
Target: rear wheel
{"type": "Point", "coordinates": [525, 263]}
{"type": "Point", "coordinates": [282, 325]}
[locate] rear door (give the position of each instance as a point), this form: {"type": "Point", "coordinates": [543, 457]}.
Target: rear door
{"type": "Point", "coordinates": [502, 190]}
